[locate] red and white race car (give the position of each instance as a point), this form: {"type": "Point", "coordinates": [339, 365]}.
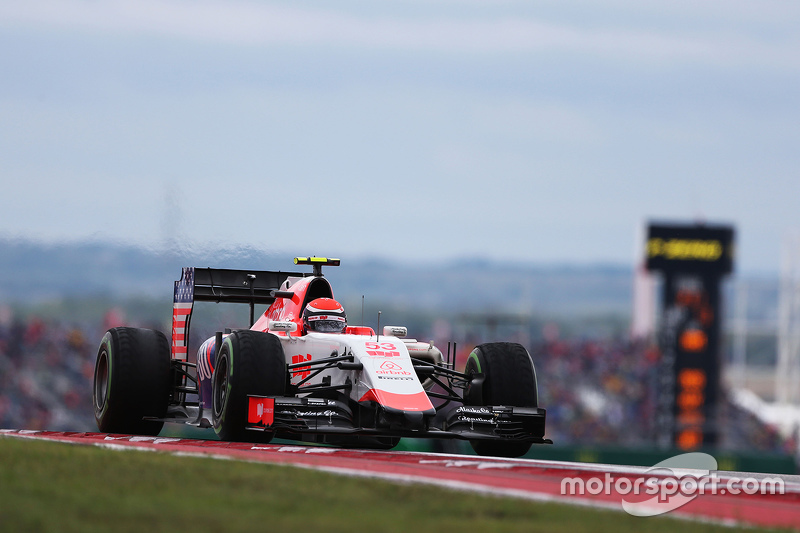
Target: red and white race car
{"type": "Point", "coordinates": [300, 372]}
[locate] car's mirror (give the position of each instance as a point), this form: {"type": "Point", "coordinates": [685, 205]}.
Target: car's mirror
{"type": "Point", "coordinates": [395, 331]}
{"type": "Point", "coordinates": [277, 325]}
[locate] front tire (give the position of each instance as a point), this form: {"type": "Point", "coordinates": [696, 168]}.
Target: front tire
{"type": "Point", "coordinates": [131, 381]}
{"type": "Point", "coordinates": [248, 363]}
{"type": "Point", "coordinates": [510, 380]}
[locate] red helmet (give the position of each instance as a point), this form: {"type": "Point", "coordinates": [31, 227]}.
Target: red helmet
{"type": "Point", "coordinates": [324, 315]}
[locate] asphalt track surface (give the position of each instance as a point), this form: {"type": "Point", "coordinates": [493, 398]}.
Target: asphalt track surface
{"type": "Point", "coordinates": [521, 478]}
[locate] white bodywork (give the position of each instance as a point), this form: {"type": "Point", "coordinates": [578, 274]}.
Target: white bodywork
{"type": "Point", "coordinates": [387, 375]}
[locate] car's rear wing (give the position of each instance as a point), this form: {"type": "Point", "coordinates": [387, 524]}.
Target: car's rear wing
{"type": "Point", "coordinates": [219, 285]}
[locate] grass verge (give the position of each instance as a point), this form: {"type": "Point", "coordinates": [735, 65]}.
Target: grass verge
{"type": "Point", "coordinates": [58, 487]}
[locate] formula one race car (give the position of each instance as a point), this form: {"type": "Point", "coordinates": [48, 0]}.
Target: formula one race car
{"type": "Point", "coordinates": [300, 372]}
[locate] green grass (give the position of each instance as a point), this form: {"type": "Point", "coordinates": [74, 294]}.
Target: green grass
{"type": "Point", "coordinates": [59, 487]}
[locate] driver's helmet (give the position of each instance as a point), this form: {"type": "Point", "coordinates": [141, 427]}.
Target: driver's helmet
{"type": "Point", "coordinates": [324, 315]}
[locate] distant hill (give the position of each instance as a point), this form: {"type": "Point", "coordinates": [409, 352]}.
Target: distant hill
{"type": "Point", "coordinates": [33, 272]}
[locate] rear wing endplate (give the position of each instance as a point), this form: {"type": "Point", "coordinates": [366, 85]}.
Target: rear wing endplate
{"type": "Point", "coordinates": [219, 285]}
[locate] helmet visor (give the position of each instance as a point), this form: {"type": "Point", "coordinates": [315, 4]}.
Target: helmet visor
{"type": "Point", "coordinates": [328, 326]}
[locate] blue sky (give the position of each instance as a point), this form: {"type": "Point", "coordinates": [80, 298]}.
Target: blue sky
{"type": "Point", "coordinates": [542, 131]}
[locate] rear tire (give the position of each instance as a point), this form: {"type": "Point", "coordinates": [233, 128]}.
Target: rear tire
{"type": "Point", "coordinates": [131, 381]}
{"type": "Point", "coordinates": [509, 380]}
{"type": "Point", "coordinates": [248, 363]}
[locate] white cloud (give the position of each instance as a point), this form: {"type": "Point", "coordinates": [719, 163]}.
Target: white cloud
{"type": "Point", "coordinates": [502, 31]}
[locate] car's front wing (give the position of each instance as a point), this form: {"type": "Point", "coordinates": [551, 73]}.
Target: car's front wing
{"type": "Point", "coordinates": [295, 417]}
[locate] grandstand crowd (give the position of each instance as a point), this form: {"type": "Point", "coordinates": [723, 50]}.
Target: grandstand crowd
{"type": "Point", "coordinates": [595, 391]}
{"type": "Point", "coordinates": [46, 373]}
{"type": "Point", "coordinates": [603, 392]}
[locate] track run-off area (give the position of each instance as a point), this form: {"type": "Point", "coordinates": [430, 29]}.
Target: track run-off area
{"type": "Point", "coordinates": [734, 500]}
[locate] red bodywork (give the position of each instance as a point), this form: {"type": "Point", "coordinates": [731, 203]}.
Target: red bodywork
{"type": "Point", "coordinates": [291, 309]}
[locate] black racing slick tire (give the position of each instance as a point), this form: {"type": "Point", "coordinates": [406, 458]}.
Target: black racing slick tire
{"type": "Point", "coordinates": [248, 363]}
{"type": "Point", "coordinates": [509, 379]}
{"type": "Point", "coordinates": [131, 381]}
